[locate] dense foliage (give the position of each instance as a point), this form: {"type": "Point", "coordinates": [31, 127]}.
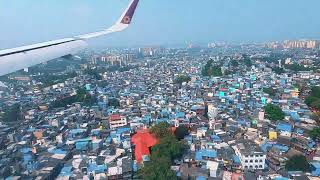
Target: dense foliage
{"type": "Point", "coordinates": [93, 72]}
{"type": "Point", "coordinates": [181, 79]}
{"type": "Point", "coordinates": [161, 130]}
{"type": "Point", "coordinates": [181, 132]}
{"type": "Point", "coordinates": [269, 91]}
{"type": "Point", "coordinates": [114, 102]}
{"type": "Point", "coordinates": [82, 97]}
{"type": "Point", "coordinates": [234, 63]}
{"type": "Point", "coordinates": [247, 61]}
{"type": "Point", "coordinates": [297, 163]}
{"type": "Point", "coordinates": [297, 67]}
{"type": "Point", "coordinates": [163, 154]}
{"type": "Point", "coordinates": [314, 99]}
{"type": "Point", "coordinates": [278, 70]}
{"type": "Point", "coordinates": [315, 133]}
{"type": "Point", "coordinates": [210, 70]}
{"type": "Point", "coordinates": [49, 80]}
{"type": "Point", "coordinates": [12, 113]}
{"type": "Point", "coordinates": [274, 112]}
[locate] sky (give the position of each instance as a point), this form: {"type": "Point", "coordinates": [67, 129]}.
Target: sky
{"type": "Point", "coordinates": [160, 22]}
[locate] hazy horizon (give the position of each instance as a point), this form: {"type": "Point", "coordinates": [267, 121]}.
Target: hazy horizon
{"type": "Point", "coordinates": [159, 23]}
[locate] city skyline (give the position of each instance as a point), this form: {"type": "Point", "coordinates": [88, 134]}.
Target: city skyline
{"type": "Point", "coordinates": [174, 22]}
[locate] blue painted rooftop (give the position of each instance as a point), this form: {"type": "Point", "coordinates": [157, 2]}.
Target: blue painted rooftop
{"type": "Point", "coordinates": [315, 164]}
{"type": "Point", "coordinates": [122, 130]}
{"type": "Point", "coordinates": [284, 127]}
{"type": "Point", "coordinates": [201, 178]}
{"type": "Point", "coordinates": [66, 171]}
{"type": "Point", "coordinates": [205, 153]}
{"type": "Point", "coordinates": [57, 151]}
{"type": "Point", "coordinates": [97, 168]}
{"type": "Point", "coordinates": [236, 159]}
{"type": "Point", "coordinates": [180, 114]}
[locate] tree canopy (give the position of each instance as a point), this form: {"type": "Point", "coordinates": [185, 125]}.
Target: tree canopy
{"type": "Point", "coordinates": [210, 70]}
{"type": "Point", "coordinates": [181, 79]}
{"type": "Point", "coordinates": [181, 132]}
{"type": "Point", "coordinates": [12, 113]}
{"type": "Point", "coordinates": [278, 70]}
{"type": "Point", "coordinates": [82, 96]}
{"type": "Point", "coordinates": [297, 163]}
{"type": "Point", "coordinates": [313, 100]}
{"type": "Point", "coordinates": [234, 63]}
{"type": "Point", "coordinates": [274, 112]}
{"type": "Point", "coordinates": [163, 154]}
{"type": "Point", "coordinates": [269, 91]}
{"type": "Point", "coordinates": [296, 67]}
{"type": "Point", "coordinates": [114, 102]}
{"type": "Point", "coordinates": [158, 170]}
{"type": "Point", "coordinates": [315, 133]}
{"type": "Point", "coordinates": [161, 130]}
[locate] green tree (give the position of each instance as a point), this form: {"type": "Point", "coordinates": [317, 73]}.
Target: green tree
{"type": "Point", "coordinates": [297, 163]}
{"type": "Point", "coordinates": [181, 132]}
{"type": "Point", "coordinates": [278, 70]}
{"type": "Point", "coordinates": [296, 67]}
{"type": "Point", "coordinates": [274, 112]}
{"type": "Point", "coordinates": [269, 91]}
{"type": "Point", "coordinates": [182, 78]}
{"type": "Point", "coordinates": [158, 170]}
{"type": "Point", "coordinates": [161, 130]}
{"type": "Point", "coordinates": [247, 61]}
{"type": "Point", "coordinates": [315, 92]}
{"type": "Point", "coordinates": [314, 99]}
{"type": "Point", "coordinates": [169, 147]}
{"type": "Point", "coordinates": [210, 70]}
{"type": "Point", "coordinates": [234, 63]}
{"type": "Point", "coordinates": [114, 102]}
{"type": "Point", "coordinates": [93, 72]}
{"type": "Point", "coordinates": [163, 154]}
{"type": "Point", "coordinates": [82, 96]}
{"type": "Point", "coordinates": [315, 133]}
{"type": "Point", "coordinates": [12, 113]}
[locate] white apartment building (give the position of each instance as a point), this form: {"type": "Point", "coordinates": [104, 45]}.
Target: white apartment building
{"type": "Point", "coordinates": [251, 155]}
{"type": "Point", "coordinates": [116, 121]}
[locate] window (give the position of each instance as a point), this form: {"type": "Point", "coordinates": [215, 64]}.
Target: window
{"type": "Point", "coordinates": [256, 160]}
{"type": "Point", "coordinates": [246, 161]}
{"type": "Point", "coordinates": [250, 166]}
{"type": "Point", "coordinates": [251, 160]}
{"type": "Point", "coordinates": [256, 166]}
{"type": "Point", "coordinates": [246, 167]}
{"type": "Point", "coordinates": [260, 166]}
{"type": "Point", "coordinates": [260, 160]}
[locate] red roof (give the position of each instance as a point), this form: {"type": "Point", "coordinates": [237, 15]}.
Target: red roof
{"type": "Point", "coordinates": [114, 117]}
{"type": "Point", "coordinates": [143, 140]}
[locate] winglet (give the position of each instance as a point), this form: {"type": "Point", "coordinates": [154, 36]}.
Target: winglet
{"type": "Point", "coordinates": [123, 22]}
{"type": "Point", "coordinates": [129, 12]}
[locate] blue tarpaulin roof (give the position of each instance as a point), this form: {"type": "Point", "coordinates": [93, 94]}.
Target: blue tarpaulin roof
{"type": "Point", "coordinates": [205, 153]}
{"type": "Point", "coordinates": [201, 178]}
{"type": "Point", "coordinates": [284, 127]}
{"type": "Point", "coordinates": [97, 168]}
{"type": "Point", "coordinates": [236, 159]}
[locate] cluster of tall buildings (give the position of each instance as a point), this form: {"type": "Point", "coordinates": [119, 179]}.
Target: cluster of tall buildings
{"type": "Point", "coordinates": [294, 44]}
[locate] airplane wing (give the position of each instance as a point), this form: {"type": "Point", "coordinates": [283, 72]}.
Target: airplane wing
{"type": "Point", "coordinates": [18, 58]}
